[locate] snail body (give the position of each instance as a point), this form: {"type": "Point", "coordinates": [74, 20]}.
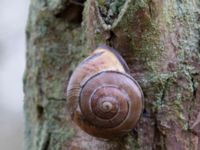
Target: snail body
{"type": "Point", "coordinates": [102, 98]}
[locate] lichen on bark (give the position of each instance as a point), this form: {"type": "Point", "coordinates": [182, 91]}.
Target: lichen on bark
{"type": "Point", "coordinates": [160, 42]}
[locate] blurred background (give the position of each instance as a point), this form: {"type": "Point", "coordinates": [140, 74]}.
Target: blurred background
{"type": "Point", "coordinates": [13, 16]}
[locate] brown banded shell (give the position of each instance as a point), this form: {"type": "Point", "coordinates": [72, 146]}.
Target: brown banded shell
{"type": "Point", "coordinates": [102, 98]}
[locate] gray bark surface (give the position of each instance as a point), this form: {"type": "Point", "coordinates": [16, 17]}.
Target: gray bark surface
{"type": "Point", "coordinates": [160, 41]}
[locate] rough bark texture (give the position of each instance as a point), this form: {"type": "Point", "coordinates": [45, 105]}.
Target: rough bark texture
{"type": "Point", "coordinates": [160, 40]}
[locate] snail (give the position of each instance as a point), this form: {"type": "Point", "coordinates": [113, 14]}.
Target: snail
{"type": "Point", "coordinates": [102, 98]}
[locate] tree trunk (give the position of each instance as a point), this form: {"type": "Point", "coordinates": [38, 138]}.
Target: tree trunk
{"type": "Point", "coordinates": [160, 41]}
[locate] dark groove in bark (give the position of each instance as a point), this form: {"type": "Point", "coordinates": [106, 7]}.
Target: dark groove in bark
{"type": "Point", "coordinates": [72, 13]}
{"type": "Point", "coordinates": [110, 40]}
{"type": "Point", "coordinates": [39, 84]}
{"type": "Point", "coordinates": [77, 2]}
{"type": "Point", "coordinates": [146, 114]}
{"type": "Point", "coordinates": [134, 134]}
{"type": "Point", "coordinates": [164, 91]}
{"type": "Point", "coordinates": [193, 97]}
{"type": "Point", "coordinates": [56, 99]}
{"type": "Point", "coordinates": [46, 143]}
{"type": "Point", "coordinates": [40, 111]}
{"type": "Point", "coordinates": [158, 139]}
{"type": "Point", "coordinates": [45, 3]}
{"type": "Point", "coordinates": [194, 88]}
{"type": "Point", "coordinates": [191, 105]}
{"type": "Point", "coordinates": [199, 41]}
{"type": "Point", "coordinates": [150, 10]}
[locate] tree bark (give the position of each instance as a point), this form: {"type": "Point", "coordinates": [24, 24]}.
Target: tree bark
{"type": "Point", "coordinates": [160, 41]}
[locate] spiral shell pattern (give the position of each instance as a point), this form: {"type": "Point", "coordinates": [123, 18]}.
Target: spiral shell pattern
{"type": "Point", "coordinates": [106, 101]}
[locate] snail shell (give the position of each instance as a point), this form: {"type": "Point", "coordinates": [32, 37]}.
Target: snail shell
{"type": "Point", "coordinates": [102, 98]}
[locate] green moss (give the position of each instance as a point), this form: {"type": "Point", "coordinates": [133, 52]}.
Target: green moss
{"type": "Point", "coordinates": [133, 143]}
{"type": "Point", "coordinates": [59, 138]}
